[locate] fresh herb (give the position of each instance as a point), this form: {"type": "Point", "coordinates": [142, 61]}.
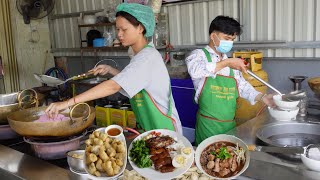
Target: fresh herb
{"type": "Point", "coordinates": [223, 153]}
{"type": "Point", "coordinates": [139, 154]}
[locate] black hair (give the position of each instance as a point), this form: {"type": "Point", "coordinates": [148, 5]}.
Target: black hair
{"type": "Point", "coordinates": [226, 25]}
{"type": "Point", "coordinates": [131, 19]}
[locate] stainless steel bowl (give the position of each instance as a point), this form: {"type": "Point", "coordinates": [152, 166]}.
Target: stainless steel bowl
{"type": "Point", "coordinates": [76, 164]}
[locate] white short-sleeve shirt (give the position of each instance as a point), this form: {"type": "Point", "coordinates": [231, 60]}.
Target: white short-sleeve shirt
{"type": "Point", "coordinates": [147, 70]}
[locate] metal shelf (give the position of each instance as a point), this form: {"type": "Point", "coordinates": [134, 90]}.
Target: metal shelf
{"type": "Point", "coordinates": [96, 25]}
{"type": "Point", "coordinates": [103, 48]}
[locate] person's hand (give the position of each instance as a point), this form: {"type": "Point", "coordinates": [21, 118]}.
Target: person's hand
{"type": "Point", "coordinates": [268, 100]}
{"type": "Point", "coordinates": [53, 109]}
{"type": "Point", "coordinates": [101, 69]}
{"type": "Point", "coordinates": [238, 64]}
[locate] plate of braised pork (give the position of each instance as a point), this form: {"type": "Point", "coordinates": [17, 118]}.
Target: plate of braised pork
{"type": "Point", "coordinates": [222, 156]}
{"type": "Point", "coordinates": [160, 154]}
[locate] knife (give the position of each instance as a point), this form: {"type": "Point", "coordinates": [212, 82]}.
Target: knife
{"type": "Point", "coordinates": [272, 149]}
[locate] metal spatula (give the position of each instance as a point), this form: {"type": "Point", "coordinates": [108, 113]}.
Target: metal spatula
{"type": "Point", "coordinates": [56, 81]}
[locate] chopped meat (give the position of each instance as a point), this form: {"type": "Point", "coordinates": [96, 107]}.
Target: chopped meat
{"type": "Point", "coordinates": [154, 151]}
{"type": "Point", "coordinates": [229, 148]}
{"type": "Point", "coordinates": [154, 158]}
{"type": "Point", "coordinates": [211, 157]}
{"type": "Point", "coordinates": [230, 160]}
{"type": "Point", "coordinates": [234, 164]}
{"type": "Point", "coordinates": [160, 142]}
{"type": "Point", "coordinates": [162, 162]}
{"type": "Point", "coordinates": [163, 154]}
{"type": "Point", "coordinates": [224, 163]}
{"type": "Point", "coordinates": [210, 165]}
{"type": "Point", "coordinates": [203, 158]}
{"type": "Point", "coordinates": [167, 168]}
{"type": "Point", "coordinates": [216, 165]}
{"type": "Point", "coordinates": [224, 172]}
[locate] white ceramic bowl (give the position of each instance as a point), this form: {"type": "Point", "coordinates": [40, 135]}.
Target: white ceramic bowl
{"type": "Point", "coordinates": [116, 127]}
{"type": "Point", "coordinates": [283, 115]}
{"type": "Point", "coordinates": [286, 105]}
{"type": "Point", "coordinates": [310, 163]}
{"type": "Point", "coordinates": [217, 138]}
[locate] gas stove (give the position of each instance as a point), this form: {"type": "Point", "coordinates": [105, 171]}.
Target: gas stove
{"type": "Point", "coordinates": [20, 145]}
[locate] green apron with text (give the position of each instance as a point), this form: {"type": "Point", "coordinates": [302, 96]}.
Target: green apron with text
{"type": "Point", "coordinates": [217, 105]}
{"type": "Point", "coordinates": [148, 115]}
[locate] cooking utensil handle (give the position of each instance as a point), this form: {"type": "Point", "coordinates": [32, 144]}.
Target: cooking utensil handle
{"type": "Point", "coordinates": [32, 100]}
{"type": "Point", "coordinates": [252, 147]}
{"type": "Point", "coordinates": [132, 130]}
{"type": "Point", "coordinates": [264, 82]}
{"type": "Point", "coordinates": [72, 109]}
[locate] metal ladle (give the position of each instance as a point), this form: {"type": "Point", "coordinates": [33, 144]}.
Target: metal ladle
{"type": "Point", "coordinates": [286, 97]}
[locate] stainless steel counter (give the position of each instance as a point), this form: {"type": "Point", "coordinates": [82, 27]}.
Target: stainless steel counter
{"type": "Point", "coordinates": [16, 165]}
{"type": "Point", "coordinates": [267, 166]}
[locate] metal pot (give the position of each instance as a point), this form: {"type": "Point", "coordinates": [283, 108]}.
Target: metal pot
{"type": "Point", "coordinates": [54, 150]}
{"type": "Point", "coordinates": [14, 101]}
{"type": "Point", "coordinates": [23, 123]}
{"type": "Point", "coordinates": [289, 135]}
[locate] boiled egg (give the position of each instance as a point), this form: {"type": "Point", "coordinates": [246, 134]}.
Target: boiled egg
{"type": "Point", "coordinates": [178, 161]}
{"type": "Point", "coordinates": [186, 152]}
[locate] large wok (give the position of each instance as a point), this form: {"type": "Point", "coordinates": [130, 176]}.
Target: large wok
{"type": "Point", "coordinates": [23, 123]}
{"type": "Point", "coordinates": [291, 134]}
{"type": "Point", "coordinates": [10, 103]}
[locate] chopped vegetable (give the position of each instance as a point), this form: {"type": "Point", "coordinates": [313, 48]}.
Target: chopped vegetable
{"type": "Point", "coordinates": [222, 154]}
{"type": "Point", "coordinates": [139, 154]}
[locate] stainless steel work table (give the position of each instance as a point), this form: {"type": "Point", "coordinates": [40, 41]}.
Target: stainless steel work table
{"type": "Point", "coordinates": [16, 165]}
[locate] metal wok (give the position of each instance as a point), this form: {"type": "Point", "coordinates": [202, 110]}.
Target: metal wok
{"type": "Point", "coordinates": [22, 122]}
{"type": "Point", "coordinates": [290, 135]}
{"type": "Point", "coordinates": [18, 100]}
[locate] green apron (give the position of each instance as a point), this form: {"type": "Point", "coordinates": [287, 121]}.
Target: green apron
{"type": "Point", "coordinates": [217, 105]}
{"type": "Point", "coordinates": [148, 115]}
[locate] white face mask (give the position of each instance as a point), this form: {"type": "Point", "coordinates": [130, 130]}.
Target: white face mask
{"type": "Point", "coordinates": [224, 46]}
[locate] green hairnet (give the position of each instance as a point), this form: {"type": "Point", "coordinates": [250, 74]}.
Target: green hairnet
{"type": "Point", "coordinates": [143, 14]}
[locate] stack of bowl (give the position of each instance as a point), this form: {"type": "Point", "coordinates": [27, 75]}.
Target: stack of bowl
{"type": "Point", "coordinates": [285, 110]}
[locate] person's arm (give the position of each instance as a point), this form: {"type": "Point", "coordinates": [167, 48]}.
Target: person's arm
{"type": "Point", "coordinates": [198, 65]}
{"type": "Point", "coordinates": [233, 63]}
{"type": "Point", "coordinates": [105, 88]}
{"type": "Point", "coordinates": [248, 92]}
{"type": "Point", "coordinates": [104, 69]}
